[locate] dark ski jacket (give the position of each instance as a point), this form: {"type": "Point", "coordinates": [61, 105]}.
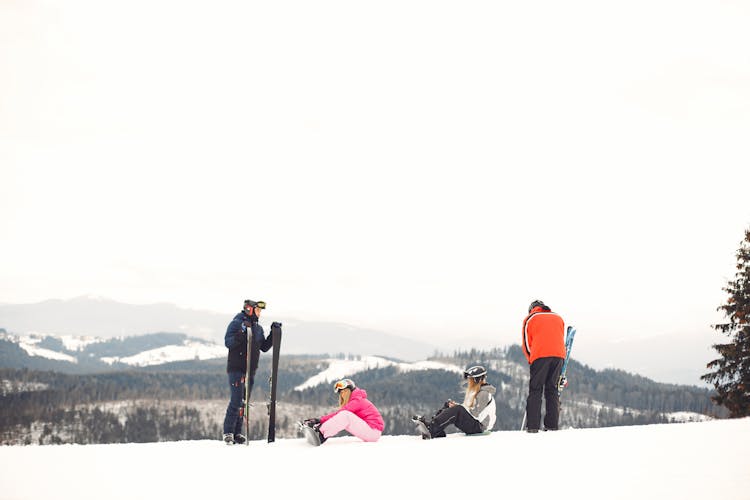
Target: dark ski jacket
{"type": "Point", "coordinates": [236, 341]}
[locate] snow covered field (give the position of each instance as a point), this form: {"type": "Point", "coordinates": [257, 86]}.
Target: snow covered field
{"type": "Point", "coordinates": [682, 461]}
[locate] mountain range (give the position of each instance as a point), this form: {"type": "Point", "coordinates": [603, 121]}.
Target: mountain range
{"type": "Point", "coordinates": [101, 318]}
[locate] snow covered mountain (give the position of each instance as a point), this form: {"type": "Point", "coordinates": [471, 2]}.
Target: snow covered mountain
{"type": "Point", "coordinates": [74, 354]}
{"type": "Point", "coordinates": [692, 461]}
{"type": "Point", "coordinates": [342, 368]}
{"type": "Point", "coordinates": [102, 318]}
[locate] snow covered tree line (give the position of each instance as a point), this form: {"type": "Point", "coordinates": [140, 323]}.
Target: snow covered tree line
{"type": "Point", "coordinates": [731, 371]}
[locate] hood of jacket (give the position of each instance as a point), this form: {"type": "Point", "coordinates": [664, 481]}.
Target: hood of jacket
{"type": "Point", "coordinates": [489, 388]}
{"type": "Point", "coordinates": [358, 394]}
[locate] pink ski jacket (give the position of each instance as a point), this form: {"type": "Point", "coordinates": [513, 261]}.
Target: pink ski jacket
{"type": "Point", "coordinates": [363, 408]}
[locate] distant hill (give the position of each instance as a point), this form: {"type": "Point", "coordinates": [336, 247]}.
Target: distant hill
{"type": "Point", "coordinates": [104, 318]}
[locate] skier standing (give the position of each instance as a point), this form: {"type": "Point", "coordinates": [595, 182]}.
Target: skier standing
{"type": "Point", "coordinates": [474, 416]}
{"type": "Point", "coordinates": [236, 340]}
{"type": "Point", "coordinates": [543, 341]}
{"type": "Point", "coordinates": [356, 415]}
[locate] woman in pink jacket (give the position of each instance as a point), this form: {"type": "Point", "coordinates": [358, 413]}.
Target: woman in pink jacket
{"type": "Point", "coordinates": [356, 415]}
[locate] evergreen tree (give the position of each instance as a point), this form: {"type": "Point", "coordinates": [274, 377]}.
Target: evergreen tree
{"type": "Point", "coordinates": [731, 375]}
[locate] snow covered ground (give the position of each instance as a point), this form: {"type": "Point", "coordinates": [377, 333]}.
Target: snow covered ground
{"type": "Point", "coordinates": [685, 461]}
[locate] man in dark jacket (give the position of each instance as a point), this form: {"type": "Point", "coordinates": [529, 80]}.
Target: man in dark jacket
{"type": "Point", "coordinates": [236, 340]}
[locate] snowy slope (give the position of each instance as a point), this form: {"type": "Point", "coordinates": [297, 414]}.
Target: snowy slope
{"type": "Point", "coordinates": [181, 349]}
{"type": "Point", "coordinates": [685, 461]}
{"type": "Point", "coordinates": [188, 350]}
{"type": "Point", "coordinates": [341, 368]}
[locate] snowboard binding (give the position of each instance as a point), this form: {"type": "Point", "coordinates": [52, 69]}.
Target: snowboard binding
{"type": "Point", "coordinates": [312, 433]}
{"type": "Point", "coordinates": [422, 427]}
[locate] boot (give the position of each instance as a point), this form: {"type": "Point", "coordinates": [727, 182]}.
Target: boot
{"type": "Point", "coordinates": [322, 438]}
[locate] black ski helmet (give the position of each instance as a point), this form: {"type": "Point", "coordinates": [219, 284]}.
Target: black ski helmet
{"type": "Point", "coordinates": [249, 305]}
{"type": "Point", "coordinates": [536, 303]}
{"type": "Point", "coordinates": [475, 372]}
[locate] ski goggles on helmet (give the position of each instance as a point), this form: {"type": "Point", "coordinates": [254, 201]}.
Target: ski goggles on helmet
{"type": "Point", "coordinates": [250, 304]}
{"type": "Point", "coordinates": [475, 372]}
{"type": "Point", "coordinates": [343, 384]}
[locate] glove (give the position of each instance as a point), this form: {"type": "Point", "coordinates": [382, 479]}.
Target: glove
{"type": "Point", "coordinates": [312, 422]}
{"type": "Point", "coordinates": [275, 324]}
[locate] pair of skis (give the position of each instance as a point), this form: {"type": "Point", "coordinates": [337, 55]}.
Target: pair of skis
{"type": "Point", "coordinates": [562, 381]}
{"type": "Point", "coordinates": [251, 346]}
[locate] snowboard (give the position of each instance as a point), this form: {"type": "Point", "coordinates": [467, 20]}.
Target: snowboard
{"type": "Point", "coordinates": [483, 433]}
{"type": "Point", "coordinates": [311, 435]}
{"type": "Point", "coordinates": [423, 430]}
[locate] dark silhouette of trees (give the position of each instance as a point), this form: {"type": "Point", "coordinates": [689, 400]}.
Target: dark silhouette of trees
{"type": "Point", "coordinates": [731, 371]}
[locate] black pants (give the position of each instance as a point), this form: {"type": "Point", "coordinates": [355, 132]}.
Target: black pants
{"type": "Point", "coordinates": [233, 419]}
{"type": "Point", "coordinates": [456, 415]}
{"type": "Point", "coordinates": [544, 375]}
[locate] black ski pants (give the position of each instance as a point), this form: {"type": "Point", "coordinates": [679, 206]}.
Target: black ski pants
{"type": "Point", "coordinates": [545, 373]}
{"type": "Point", "coordinates": [233, 418]}
{"type": "Point", "coordinates": [456, 415]}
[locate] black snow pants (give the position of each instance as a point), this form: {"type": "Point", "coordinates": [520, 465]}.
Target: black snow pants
{"type": "Point", "coordinates": [456, 415]}
{"type": "Point", "coordinates": [544, 375]}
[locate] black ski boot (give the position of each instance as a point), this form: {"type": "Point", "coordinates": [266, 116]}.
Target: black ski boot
{"type": "Point", "coordinates": [239, 439]}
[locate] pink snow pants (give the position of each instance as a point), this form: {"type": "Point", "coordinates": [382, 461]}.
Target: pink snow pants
{"type": "Point", "coordinates": [348, 421]}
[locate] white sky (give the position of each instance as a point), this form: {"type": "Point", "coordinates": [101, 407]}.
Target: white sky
{"type": "Point", "coordinates": [422, 167]}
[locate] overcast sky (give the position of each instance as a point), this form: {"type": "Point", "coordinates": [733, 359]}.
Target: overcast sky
{"type": "Point", "coordinates": [422, 167]}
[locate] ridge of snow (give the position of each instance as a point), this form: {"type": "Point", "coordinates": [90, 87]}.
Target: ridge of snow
{"type": "Point", "coordinates": [687, 416]}
{"type": "Point", "coordinates": [78, 342]}
{"type": "Point", "coordinates": [29, 344]}
{"type": "Point", "coordinates": [342, 368]}
{"type": "Point", "coordinates": [14, 387]}
{"type": "Point", "coordinates": [189, 350]}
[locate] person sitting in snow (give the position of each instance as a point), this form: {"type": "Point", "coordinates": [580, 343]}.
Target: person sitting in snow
{"type": "Point", "coordinates": [475, 415]}
{"type": "Point", "coordinates": [356, 415]}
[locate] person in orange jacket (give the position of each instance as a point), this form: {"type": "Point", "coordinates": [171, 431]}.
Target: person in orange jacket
{"type": "Point", "coordinates": [543, 344]}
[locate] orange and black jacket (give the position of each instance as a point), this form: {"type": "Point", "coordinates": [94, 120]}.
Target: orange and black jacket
{"type": "Point", "coordinates": [543, 335]}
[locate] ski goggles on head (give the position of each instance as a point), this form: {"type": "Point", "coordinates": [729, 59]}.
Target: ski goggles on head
{"type": "Point", "coordinates": [250, 304]}
{"type": "Point", "coordinates": [343, 384]}
{"type": "Point", "coordinates": [475, 372]}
